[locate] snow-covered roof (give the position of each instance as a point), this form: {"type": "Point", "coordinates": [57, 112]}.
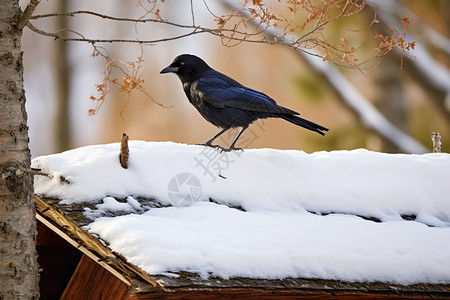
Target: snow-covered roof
{"type": "Point", "coordinates": [268, 214]}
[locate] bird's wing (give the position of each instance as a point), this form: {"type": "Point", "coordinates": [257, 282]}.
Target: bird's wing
{"type": "Point", "coordinates": [222, 91]}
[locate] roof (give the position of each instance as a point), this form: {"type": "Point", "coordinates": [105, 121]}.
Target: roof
{"type": "Point", "coordinates": [65, 220]}
{"type": "Point", "coordinates": [176, 219]}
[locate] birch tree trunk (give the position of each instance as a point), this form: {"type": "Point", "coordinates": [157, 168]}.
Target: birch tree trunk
{"type": "Point", "coordinates": [19, 276]}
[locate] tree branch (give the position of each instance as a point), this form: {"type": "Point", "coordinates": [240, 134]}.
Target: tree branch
{"type": "Point", "coordinates": [198, 29]}
{"type": "Point", "coordinates": [27, 14]}
{"type": "Point", "coordinates": [133, 20]}
{"type": "Point", "coordinates": [56, 35]}
{"type": "Point", "coordinates": [227, 35]}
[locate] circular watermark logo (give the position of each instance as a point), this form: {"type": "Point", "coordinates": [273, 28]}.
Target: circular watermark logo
{"type": "Point", "coordinates": [184, 189]}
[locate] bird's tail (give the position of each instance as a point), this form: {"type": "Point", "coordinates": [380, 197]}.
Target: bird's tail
{"type": "Point", "coordinates": [305, 123]}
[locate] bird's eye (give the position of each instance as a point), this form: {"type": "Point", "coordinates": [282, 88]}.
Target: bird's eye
{"type": "Point", "coordinates": [182, 63]}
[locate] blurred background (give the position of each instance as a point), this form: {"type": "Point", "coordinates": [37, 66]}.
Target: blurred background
{"type": "Point", "coordinates": [60, 77]}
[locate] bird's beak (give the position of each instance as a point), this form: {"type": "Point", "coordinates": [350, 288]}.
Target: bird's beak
{"type": "Point", "coordinates": [169, 69]}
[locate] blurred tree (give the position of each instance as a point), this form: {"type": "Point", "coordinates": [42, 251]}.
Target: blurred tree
{"type": "Point", "coordinates": [63, 79]}
{"type": "Point", "coordinates": [428, 72]}
{"type": "Point", "coordinates": [390, 99]}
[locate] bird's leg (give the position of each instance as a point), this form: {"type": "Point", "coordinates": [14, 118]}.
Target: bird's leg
{"type": "Point", "coordinates": [235, 140]}
{"type": "Point", "coordinates": [209, 142]}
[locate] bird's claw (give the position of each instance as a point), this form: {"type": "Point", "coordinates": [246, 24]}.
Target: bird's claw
{"type": "Point", "coordinates": [231, 148]}
{"type": "Point", "coordinates": [222, 149]}
{"type": "Point", "coordinates": [235, 149]}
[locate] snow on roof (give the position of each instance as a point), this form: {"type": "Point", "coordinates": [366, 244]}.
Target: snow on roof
{"type": "Point", "coordinates": [346, 215]}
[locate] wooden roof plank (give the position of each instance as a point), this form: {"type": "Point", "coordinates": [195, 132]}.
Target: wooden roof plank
{"type": "Point", "coordinates": [82, 249]}
{"type": "Point", "coordinates": [90, 245]}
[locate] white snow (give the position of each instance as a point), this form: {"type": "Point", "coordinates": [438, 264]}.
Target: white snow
{"type": "Point", "coordinates": [276, 225]}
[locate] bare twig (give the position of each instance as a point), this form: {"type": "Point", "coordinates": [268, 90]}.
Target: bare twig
{"type": "Point", "coordinates": [131, 80]}
{"type": "Point", "coordinates": [192, 13]}
{"type": "Point", "coordinates": [95, 41]}
{"type": "Point", "coordinates": [27, 14]}
{"type": "Point", "coordinates": [33, 171]}
{"type": "Point", "coordinates": [19, 171]}
{"type": "Point", "coordinates": [196, 30]}
{"type": "Point", "coordinates": [131, 20]}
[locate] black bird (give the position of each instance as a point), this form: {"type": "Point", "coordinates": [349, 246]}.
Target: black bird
{"type": "Point", "coordinates": [226, 103]}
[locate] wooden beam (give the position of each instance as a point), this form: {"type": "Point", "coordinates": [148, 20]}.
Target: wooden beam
{"type": "Point", "coordinates": [82, 249]}
{"type": "Point", "coordinates": [91, 246]}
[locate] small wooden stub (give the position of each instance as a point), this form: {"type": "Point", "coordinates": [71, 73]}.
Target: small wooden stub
{"type": "Point", "coordinates": [124, 151]}
{"type": "Point", "coordinates": [436, 138]}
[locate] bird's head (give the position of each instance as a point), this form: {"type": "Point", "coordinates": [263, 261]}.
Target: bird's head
{"type": "Point", "coordinates": [188, 67]}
